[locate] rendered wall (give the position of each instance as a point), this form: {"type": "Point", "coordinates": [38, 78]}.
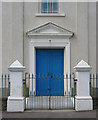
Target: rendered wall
{"type": "Point", "coordinates": [92, 36]}
{"type": "Point", "coordinates": [18, 18]}
{"type": "Point", "coordinates": [69, 22]}
{"type": "Point", "coordinates": [12, 33]}
{"type": "Point", "coordinates": [1, 39]}
{"type": "Point", "coordinates": [97, 37]}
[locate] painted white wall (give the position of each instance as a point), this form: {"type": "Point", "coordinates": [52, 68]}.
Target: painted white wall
{"type": "Point", "coordinates": [82, 31]}
{"type": "Point", "coordinates": [80, 19]}
{"type": "Point", "coordinates": [68, 22]}
{"type": "Point", "coordinates": [1, 39]}
{"type": "Point", "coordinates": [12, 33]}
{"type": "Point", "coordinates": [92, 51]}
{"type": "Point", "coordinates": [97, 38]}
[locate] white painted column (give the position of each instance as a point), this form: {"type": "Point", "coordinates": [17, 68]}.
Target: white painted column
{"type": "Point", "coordinates": [67, 68]}
{"type": "Point", "coordinates": [15, 102]}
{"type": "Point", "coordinates": [32, 66]}
{"type": "Point", "coordinates": [83, 100]}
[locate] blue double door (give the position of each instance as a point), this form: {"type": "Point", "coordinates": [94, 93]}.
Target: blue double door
{"type": "Point", "coordinates": [49, 72]}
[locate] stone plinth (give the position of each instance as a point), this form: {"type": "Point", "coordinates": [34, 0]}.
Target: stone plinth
{"type": "Point", "coordinates": [83, 100]}
{"type": "Point", "coordinates": [15, 102]}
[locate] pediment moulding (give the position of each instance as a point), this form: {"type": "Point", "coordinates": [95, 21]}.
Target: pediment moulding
{"type": "Point", "coordinates": [49, 29]}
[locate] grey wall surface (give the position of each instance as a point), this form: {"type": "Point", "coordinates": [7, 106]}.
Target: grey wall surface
{"type": "Point", "coordinates": [1, 38]}
{"type": "Point", "coordinates": [18, 18]}
{"type": "Point", "coordinates": [82, 31]}
{"type": "Point", "coordinates": [97, 37]}
{"type": "Point", "coordinates": [69, 22]}
{"type": "Point", "coordinates": [80, 18]}
{"type": "Point", "coordinates": [92, 36]}
{"type": "Point", "coordinates": [12, 33]}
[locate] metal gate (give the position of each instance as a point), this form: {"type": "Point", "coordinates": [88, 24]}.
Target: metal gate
{"type": "Point", "coordinates": [47, 100]}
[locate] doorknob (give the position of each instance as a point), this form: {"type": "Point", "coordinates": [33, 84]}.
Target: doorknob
{"type": "Point", "coordinates": [51, 76]}
{"type": "Point", "coordinates": [49, 89]}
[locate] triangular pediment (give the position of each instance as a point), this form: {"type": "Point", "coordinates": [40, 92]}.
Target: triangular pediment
{"type": "Point", "coordinates": [50, 29]}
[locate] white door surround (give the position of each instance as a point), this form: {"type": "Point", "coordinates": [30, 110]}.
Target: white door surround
{"type": "Point", "coordinates": [49, 36]}
{"type": "Point", "coordinates": [32, 53]}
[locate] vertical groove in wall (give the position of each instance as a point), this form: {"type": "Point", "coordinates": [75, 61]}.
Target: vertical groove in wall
{"type": "Point", "coordinates": [76, 30]}
{"type": "Point", "coordinates": [88, 30]}
{"type": "Point", "coordinates": [1, 38]}
{"type": "Point", "coordinates": [0, 56]}
{"type": "Point", "coordinates": [23, 32]}
{"type": "Point", "coordinates": [92, 35]}
{"type": "Point", "coordinates": [96, 36]}
{"type": "Point", "coordinates": [88, 34]}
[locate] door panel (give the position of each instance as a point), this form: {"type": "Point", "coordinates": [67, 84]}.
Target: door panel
{"type": "Point", "coordinates": [42, 68]}
{"type": "Point", "coordinates": [50, 68]}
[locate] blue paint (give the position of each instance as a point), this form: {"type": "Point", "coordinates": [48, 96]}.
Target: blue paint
{"type": "Point", "coordinates": [93, 85]}
{"type": "Point", "coordinates": [32, 82]}
{"type": "Point", "coordinates": [2, 84]}
{"type": "Point", "coordinates": [96, 80]}
{"type": "Point", "coordinates": [8, 83]}
{"type": "Point", "coordinates": [5, 84]}
{"type": "Point", "coordinates": [29, 80]}
{"type": "Point", "coordinates": [70, 85]}
{"type": "Point", "coordinates": [25, 90]}
{"type": "Point", "coordinates": [50, 62]}
{"type": "Point", "coordinates": [67, 82]}
{"type": "Point", "coordinates": [90, 84]}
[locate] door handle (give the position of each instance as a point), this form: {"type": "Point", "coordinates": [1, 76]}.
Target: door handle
{"type": "Point", "coordinates": [51, 76]}
{"type": "Point", "coordinates": [49, 89]}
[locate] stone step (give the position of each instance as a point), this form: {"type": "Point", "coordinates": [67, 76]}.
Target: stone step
{"type": "Point", "coordinates": [54, 102]}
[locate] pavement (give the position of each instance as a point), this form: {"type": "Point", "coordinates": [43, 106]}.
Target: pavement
{"type": "Point", "coordinates": [50, 114]}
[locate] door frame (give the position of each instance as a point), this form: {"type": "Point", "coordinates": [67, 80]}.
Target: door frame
{"type": "Point", "coordinates": [53, 43]}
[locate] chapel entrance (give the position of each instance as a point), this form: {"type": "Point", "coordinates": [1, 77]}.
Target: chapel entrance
{"type": "Point", "coordinates": [49, 72]}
